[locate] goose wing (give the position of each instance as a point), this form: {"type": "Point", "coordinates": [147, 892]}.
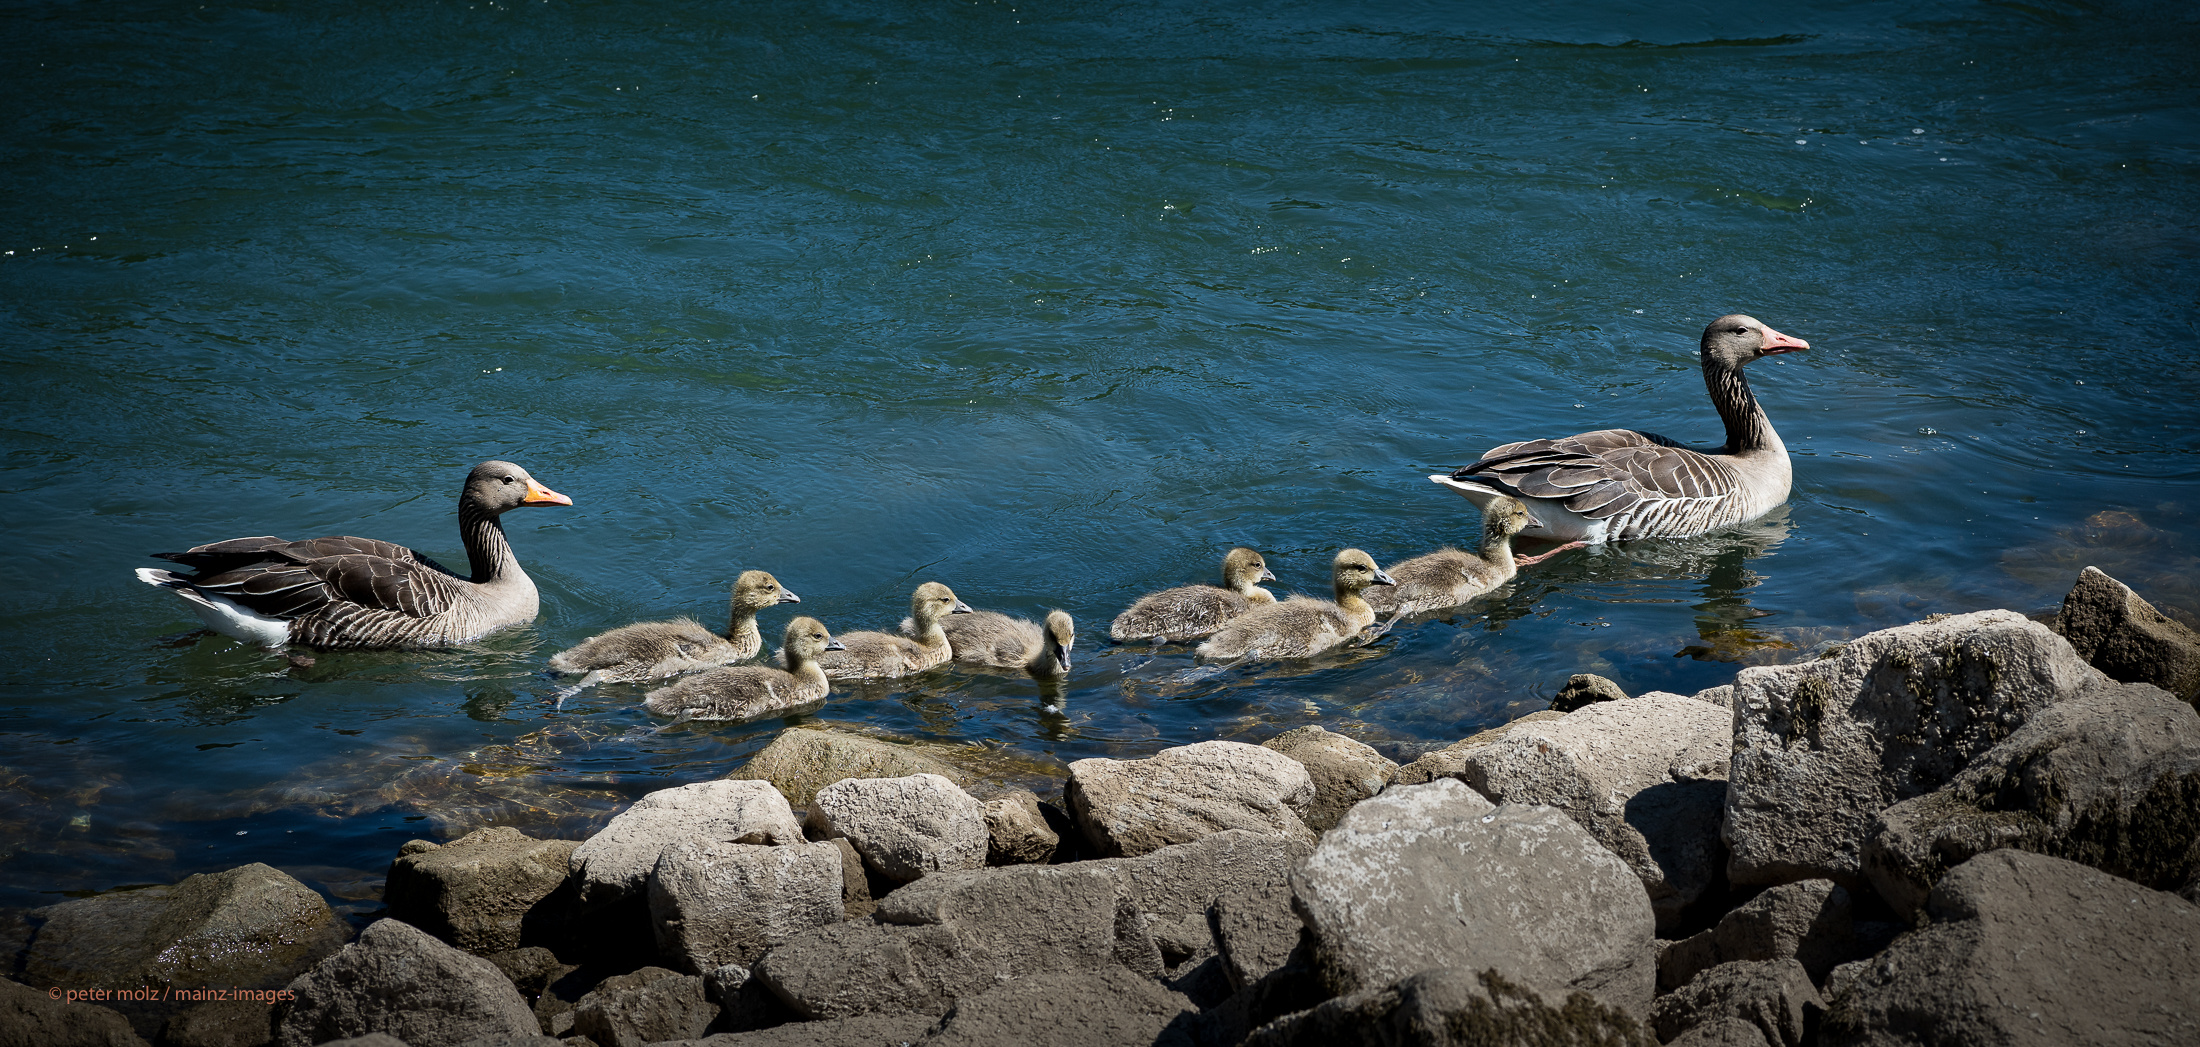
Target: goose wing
{"type": "Point", "coordinates": [1607, 473]}
{"type": "Point", "coordinates": [293, 579]}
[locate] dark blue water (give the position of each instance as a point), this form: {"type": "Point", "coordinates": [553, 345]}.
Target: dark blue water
{"type": "Point", "coordinates": [1053, 304]}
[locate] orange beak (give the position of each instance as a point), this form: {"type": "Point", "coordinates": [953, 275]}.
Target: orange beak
{"type": "Point", "coordinates": [1775, 342]}
{"type": "Point", "coordinates": [537, 494]}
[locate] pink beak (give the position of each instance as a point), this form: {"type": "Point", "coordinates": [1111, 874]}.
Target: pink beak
{"type": "Point", "coordinates": [1775, 342]}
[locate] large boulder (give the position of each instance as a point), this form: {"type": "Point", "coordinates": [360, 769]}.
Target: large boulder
{"type": "Point", "coordinates": [1451, 760]}
{"type": "Point", "coordinates": [1446, 1007]}
{"type": "Point", "coordinates": [956, 934]}
{"type": "Point", "coordinates": [1017, 829]}
{"type": "Point", "coordinates": [220, 1023]}
{"type": "Point", "coordinates": [1133, 807]}
{"type": "Point", "coordinates": [906, 828]}
{"type": "Point", "coordinates": [1345, 771]}
{"type": "Point", "coordinates": [476, 891]}
{"type": "Point", "coordinates": [803, 760]}
{"type": "Point", "coordinates": [615, 863]}
{"type": "Point", "coordinates": [1774, 996]}
{"type": "Point", "coordinates": [644, 1006]}
{"type": "Point", "coordinates": [251, 927]}
{"type": "Point", "coordinates": [2110, 778]}
{"type": "Point", "coordinates": [1175, 888]}
{"type": "Point", "coordinates": [1256, 933]}
{"type": "Point", "coordinates": [2025, 949]}
{"type": "Point", "coordinates": [1821, 747]}
{"type": "Point", "coordinates": [1812, 922]}
{"type": "Point", "coordinates": [1435, 876]}
{"type": "Point", "coordinates": [718, 903]}
{"type": "Point", "coordinates": [32, 1018]}
{"type": "Point", "coordinates": [2124, 636]}
{"type": "Point", "coordinates": [1646, 776]}
{"type": "Point", "coordinates": [1108, 1007]}
{"type": "Point", "coordinates": [400, 980]}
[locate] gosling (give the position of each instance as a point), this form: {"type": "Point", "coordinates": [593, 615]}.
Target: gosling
{"type": "Point", "coordinates": [992, 639]}
{"type": "Point", "coordinates": [1302, 627]}
{"type": "Point", "coordinates": [884, 656]}
{"type": "Point", "coordinates": [656, 650]}
{"type": "Point", "coordinates": [747, 692]}
{"type": "Point", "coordinates": [1449, 577]}
{"type": "Point", "coordinates": [1190, 612]}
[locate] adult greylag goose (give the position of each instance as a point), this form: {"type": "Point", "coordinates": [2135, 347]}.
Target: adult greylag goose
{"type": "Point", "coordinates": [1189, 612]}
{"type": "Point", "coordinates": [655, 650]}
{"type": "Point", "coordinates": [996, 640]}
{"type": "Point", "coordinates": [884, 656]}
{"type": "Point", "coordinates": [1302, 626]}
{"type": "Point", "coordinates": [1619, 484]}
{"type": "Point", "coordinates": [343, 592]}
{"type": "Point", "coordinates": [1449, 577]}
{"type": "Point", "coordinates": [745, 692]}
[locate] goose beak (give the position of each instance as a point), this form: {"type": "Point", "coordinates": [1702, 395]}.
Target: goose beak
{"type": "Point", "coordinates": [1267, 575]}
{"type": "Point", "coordinates": [537, 494]}
{"type": "Point", "coordinates": [1775, 343]}
{"type": "Point", "coordinates": [961, 608]}
{"type": "Point", "coordinates": [836, 645]}
{"type": "Point", "coordinates": [788, 596]}
{"type": "Point", "coordinates": [1383, 577]}
{"type": "Point", "coordinates": [1061, 656]}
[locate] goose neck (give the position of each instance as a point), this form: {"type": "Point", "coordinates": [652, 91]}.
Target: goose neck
{"type": "Point", "coordinates": [488, 553]}
{"type": "Point", "coordinates": [1747, 428]}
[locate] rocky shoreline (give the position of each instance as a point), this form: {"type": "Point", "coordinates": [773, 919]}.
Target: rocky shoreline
{"type": "Point", "coordinates": [1974, 829]}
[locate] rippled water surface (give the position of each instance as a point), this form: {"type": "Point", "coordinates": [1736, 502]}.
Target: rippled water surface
{"type": "Point", "coordinates": [1053, 303]}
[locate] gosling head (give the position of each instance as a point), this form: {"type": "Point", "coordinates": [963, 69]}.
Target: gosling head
{"type": "Point", "coordinates": [1505, 518]}
{"type": "Point", "coordinates": [1734, 340]}
{"type": "Point", "coordinates": [756, 590]}
{"type": "Point", "coordinates": [806, 639]}
{"type": "Point", "coordinates": [1354, 571]}
{"type": "Point", "coordinates": [932, 602]}
{"type": "Point", "coordinates": [1061, 635]}
{"type": "Point", "coordinates": [1243, 569]}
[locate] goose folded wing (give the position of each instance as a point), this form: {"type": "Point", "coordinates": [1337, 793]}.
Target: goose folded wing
{"type": "Point", "coordinates": [1603, 474]}
{"type": "Point", "coordinates": [414, 587]}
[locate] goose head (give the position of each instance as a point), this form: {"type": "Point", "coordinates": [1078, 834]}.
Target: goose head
{"type": "Point", "coordinates": [756, 590]}
{"type": "Point", "coordinates": [1734, 340]}
{"type": "Point", "coordinates": [1061, 635]}
{"type": "Point", "coordinates": [1354, 570]}
{"type": "Point", "coordinates": [1243, 569]}
{"type": "Point", "coordinates": [932, 602]}
{"type": "Point", "coordinates": [494, 487]}
{"type": "Point", "coordinates": [805, 640]}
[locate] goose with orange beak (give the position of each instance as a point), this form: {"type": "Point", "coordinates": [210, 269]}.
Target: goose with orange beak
{"type": "Point", "coordinates": [1616, 485]}
{"type": "Point", "coordinates": [344, 592]}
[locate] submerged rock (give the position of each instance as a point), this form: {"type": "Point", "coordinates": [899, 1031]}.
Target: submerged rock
{"type": "Point", "coordinates": [803, 760]}
{"type": "Point", "coordinates": [1823, 746]}
{"type": "Point", "coordinates": [2026, 949]}
{"type": "Point", "coordinates": [1435, 876]}
{"type": "Point", "coordinates": [1583, 689]}
{"type": "Point", "coordinates": [2122, 635]}
{"type": "Point", "coordinates": [1134, 807]}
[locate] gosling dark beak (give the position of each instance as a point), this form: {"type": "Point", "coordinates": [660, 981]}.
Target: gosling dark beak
{"type": "Point", "coordinates": [836, 645]}
{"type": "Point", "coordinates": [961, 608]}
{"type": "Point", "coordinates": [787, 596]}
{"type": "Point", "coordinates": [1382, 578]}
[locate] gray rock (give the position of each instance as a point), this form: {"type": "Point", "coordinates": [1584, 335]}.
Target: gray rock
{"type": "Point", "coordinates": [1133, 807]}
{"type": "Point", "coordinates": [1110, 1007]}
{"type": "Point", "coordinates": [1721, 696]}
{"type": "Point", "coordinates": [1821, 747]}
{"type": "Point", "coordinates": [803, 760]}
{"type": "Point", "coordinates": [1257, 933]}
{"type": "Point", "coordinates": [616, 862]}
{"type": "Point", "coordinates": [1018, 830]}
{"type": "Point", "coordinates": [1450, 761]}
{"type": "Point", "coordinates": [2026, 949]}
{"type": "Point", "coordinates": [2110, 778]}
{"type": "Point", "coordinates": [1843, 978]}
{"type": "Point", "coordinates": [31, 1018]}
{"type": "Point", "coordinates": [863, 1030]}
{"type": "Point", "coordinates": [221, 1023]}
{"type": "Point", "coordinates": [951, 935]}
{"type": "Point", "coordinates": [499, 1040]}
{"type": "Point", "coordinates": [1445, 1007]}
{"type": "Point", "coordinates": [646, 1006]}
{"type": "Point", "coordinates": [1812, 922]}
{"type": "Point", "coordinates": [1646, 776]}
{"type": "Point", "coordinates": [1583, 689]}
{"type": "Point", "coordinates": [855, 886]}
{"type": "Point", "coordinates": [745, 1003]}
{"type": "Point", "coordinates": [715, 904]}
{"type": "Point", "coordinates": [1344, 771]}
{"type": "Point", "coordinates": [1180, 883]}
{"type": "Point", "coordinates": [400, 980]}
{"type": "Point", "coordinates": [906, 828]}
{"type": "Point", "coordinates": [1776, 996]}
{"type": "Point", "coordinates": [1722, 1032]}
{"type": "Point", "coordinates": [475, 891]}
{"type": "Point", "coordinates": [2124, 636]}
{"type": "Point", "coordinates": [1433, 876]}
{"type": "Point", "coordinates": [251, 927]}
{"type": "Point", "coordinates": [373, 1039]}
